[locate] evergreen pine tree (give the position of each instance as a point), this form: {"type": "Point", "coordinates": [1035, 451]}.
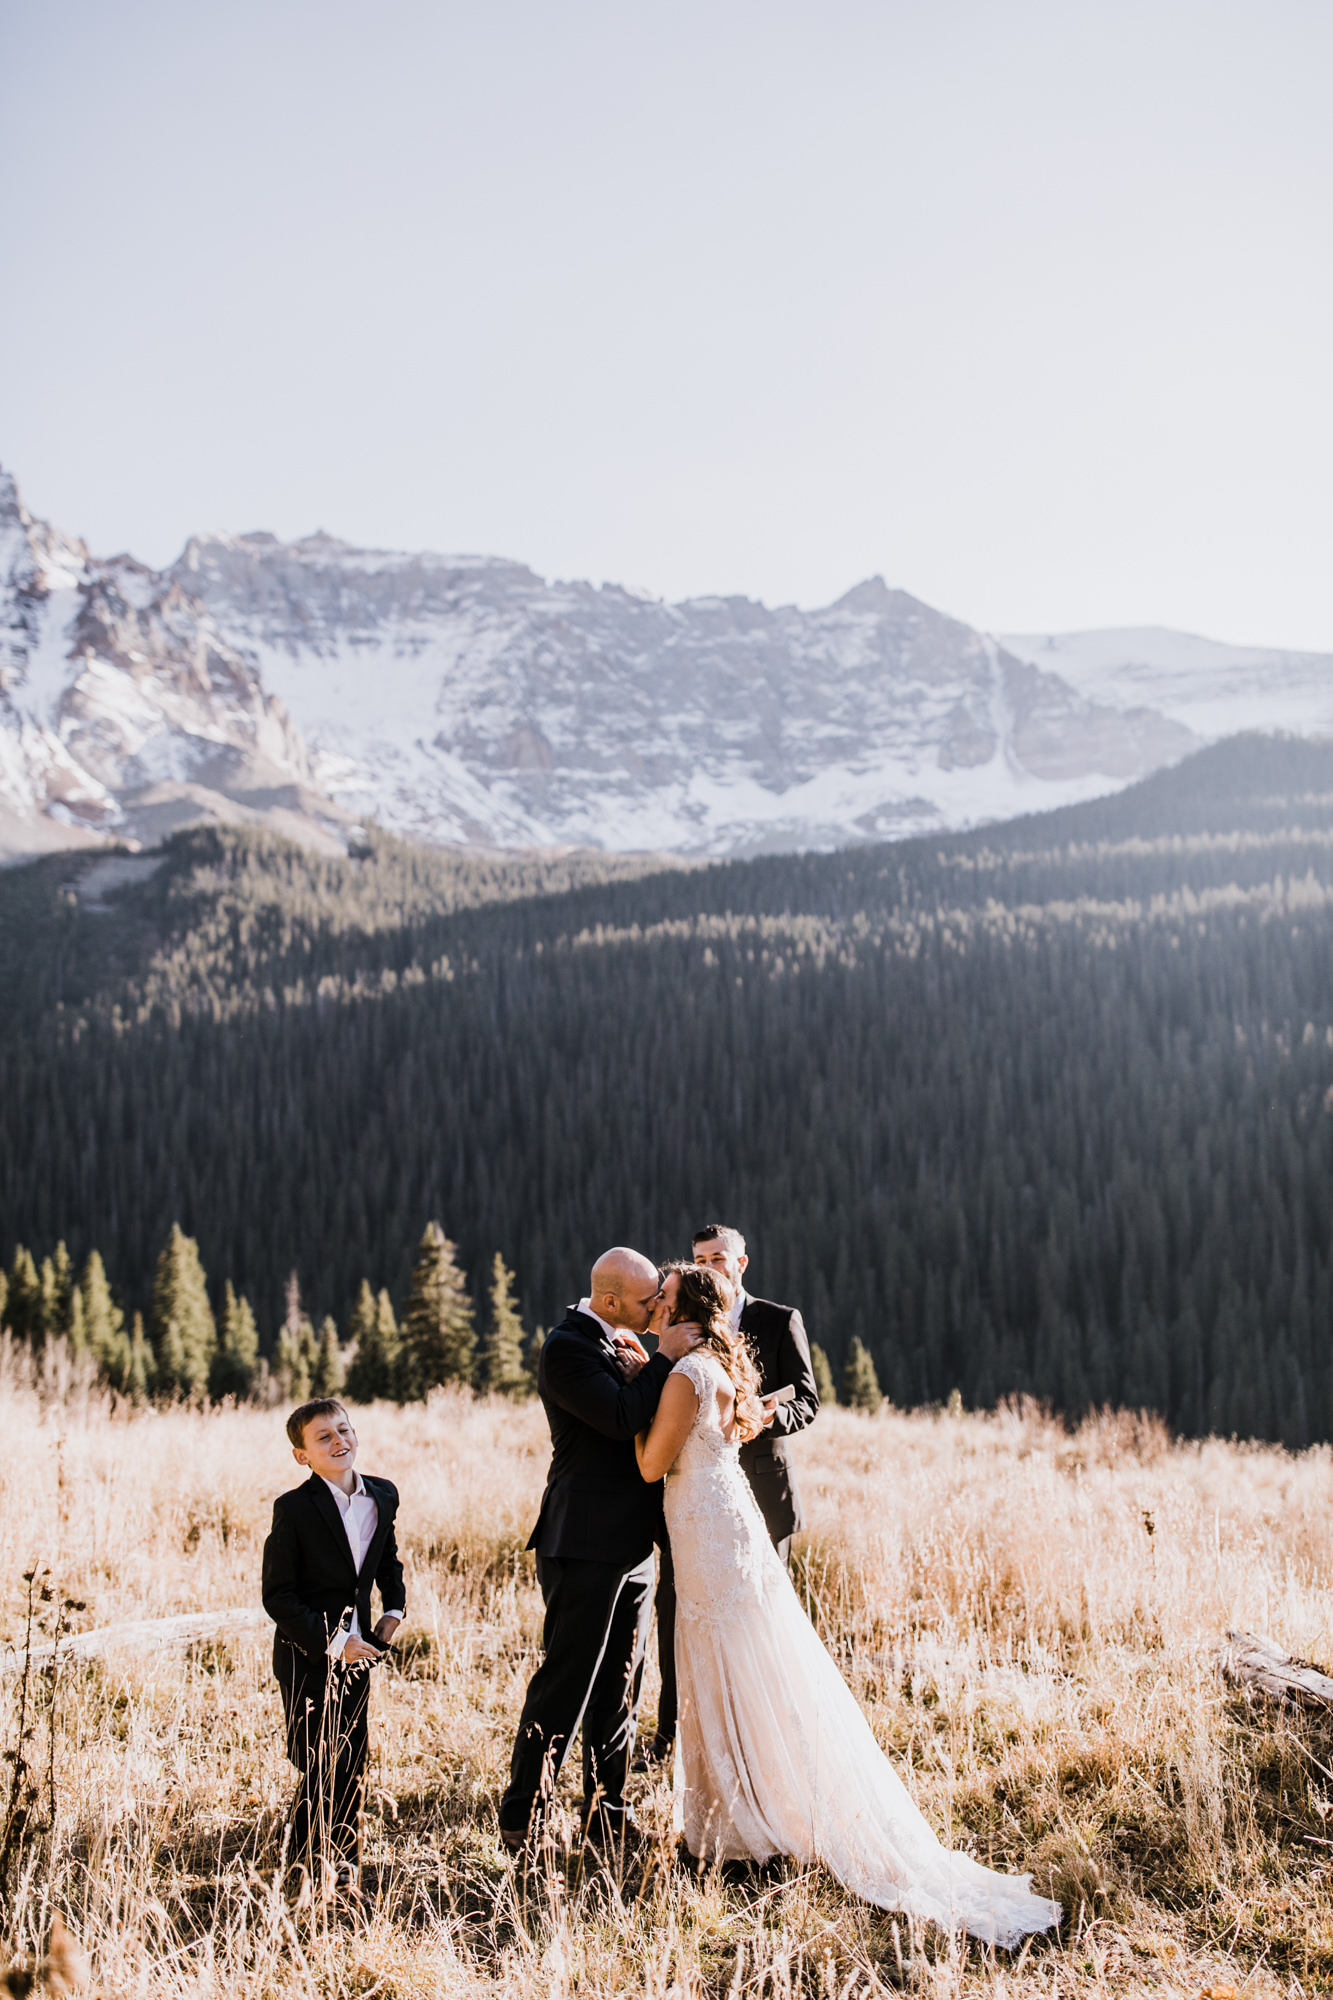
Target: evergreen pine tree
{"type": "Point", "coordinates": [24, 1303]}
{"type": "Point", "coordinates": [361, 1324]}
{"type": "Point", "coordinates": [104, 1324]}
{"type": "Point", "coordinates": [823, 1374]}
{"type": "Point", "coordinates": [297, 1348]}
{"type": "Point", "coordinates": [373, 1329]}
{"type": "Point", "coordinates": [500, 1364]}
{"type": "Point", "coordinates": [291, 1367]}
{"type": "Point", "coordinates": [46, 1294]}
{"type": "Point", "coordinates": [25, 1297]}
{"type": "Point", "coordinates": [328, 1371]}
{"type": "Point", "coordinates": [63, 1322]}
{"type": "Point", "coordinates": [75, 1331]}
{"type": "Point", "coordinates": [140, 1376]}
{"type": "Point", "coordinates": [860, 1384]}
{"type": "Point", "coordinates": [438, 1342]}
{"type": "Point", "coordinates": [55, 1284]}
{"type": "Point", "coordinates": [388, 1334]}
{"type": "Point", "coordinates": [181, 1325]}
{"type": "Point", "coordinates": [236, 1361]}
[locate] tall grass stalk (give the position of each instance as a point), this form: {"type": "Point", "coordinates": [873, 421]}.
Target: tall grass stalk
{"type": "Point", "coordinates": [1027, 1615]}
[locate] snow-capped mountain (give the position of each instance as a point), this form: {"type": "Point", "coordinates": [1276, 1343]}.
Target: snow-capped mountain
{"type": "Point", "coordinates": [123, 709]}
{"type": "Point", "coordinates": [1213, 689]}
{"type": "Point", "coordinates": [312, 684]}
{"type": "Point", "coordinates": [468, 699]}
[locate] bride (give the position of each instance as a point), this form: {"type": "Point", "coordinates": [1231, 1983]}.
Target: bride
{"type": "Point", "coordinates": [775, 1756]}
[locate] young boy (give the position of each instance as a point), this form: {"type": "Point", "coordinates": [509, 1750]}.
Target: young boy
{"type": "Point", "coordinates": [331, 1540]}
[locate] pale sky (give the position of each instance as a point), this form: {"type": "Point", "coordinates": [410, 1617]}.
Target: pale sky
{"type": "Point", "coordinates": [1025, 304]}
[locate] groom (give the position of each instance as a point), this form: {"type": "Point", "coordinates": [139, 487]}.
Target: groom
{"type": "Point", "coordinates": [594, 1542]}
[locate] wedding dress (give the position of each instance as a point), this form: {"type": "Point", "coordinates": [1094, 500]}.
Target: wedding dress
{"type": "Point", "coordinates": [774, 1755]}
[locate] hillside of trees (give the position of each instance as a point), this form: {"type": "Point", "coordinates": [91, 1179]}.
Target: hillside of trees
{"type": "Point", "coordinates": [1045, 1108]}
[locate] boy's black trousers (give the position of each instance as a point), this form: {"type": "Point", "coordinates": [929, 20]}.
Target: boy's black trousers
{"type": "Point", "coordinates": [596, 1636]}
{"type": "Point", "coordinates": [327, 1739]}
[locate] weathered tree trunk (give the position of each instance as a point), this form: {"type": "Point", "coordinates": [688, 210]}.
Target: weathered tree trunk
{"type": "Point", "coordinates": [1258, 1663]}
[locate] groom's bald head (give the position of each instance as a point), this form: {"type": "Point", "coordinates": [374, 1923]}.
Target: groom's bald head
{"type": "Point", "coordinates": [624, 1288]}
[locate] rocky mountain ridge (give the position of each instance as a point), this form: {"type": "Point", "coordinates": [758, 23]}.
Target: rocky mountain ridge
{"type": "Point", "coordinates": [311, 685]}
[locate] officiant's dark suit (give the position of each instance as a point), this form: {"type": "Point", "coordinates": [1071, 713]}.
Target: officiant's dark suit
{"type": "Point", "coordinates": [309, 1585]}
{"type": "Point", "coordinates": [777, 1340]}
{"type": "Point", "coordinates": [594, 1542]}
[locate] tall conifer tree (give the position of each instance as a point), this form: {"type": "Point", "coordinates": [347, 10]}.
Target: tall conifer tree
{"type": "Point", "coordinates": [25, 1296]}
{"type": "Point", "coordinates": [141, 1374]}
{"type": "Point", "coordinates": [860, 1384]}
{"type": "Point", "coordinates": [64, 1317]}
{"type": "Point", "coordinates": [74, 1329]}
{"type": "Point", "coordinates": [500, 1364]}
{"type": "Point", "coordinates": [374, 1366]}
{"type": "Point", "coordinates": [182, 1327]}
{"type": "Point", "coordinates": [104, 1324]}
{"type": "Point", "coordinates": [298, 1350]}
{"type": "Point", "coordinates": [438, 1342]}
{"type": "Point", "coordinates": [236, 1361]}
{"type": "Point", "coordinates": [55, 1283]}
{"type": "Point", "coordinates": [823, 1374]}
{"type": "Point", "coordinates": [328, 1371]}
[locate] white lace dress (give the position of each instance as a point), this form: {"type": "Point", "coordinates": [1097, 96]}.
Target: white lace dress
{"type": "Point", "coordinates": [774, 1756]}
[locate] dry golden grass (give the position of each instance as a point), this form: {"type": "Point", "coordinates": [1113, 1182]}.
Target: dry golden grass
{"type": "Point", "coordinates": [1026, 1615]}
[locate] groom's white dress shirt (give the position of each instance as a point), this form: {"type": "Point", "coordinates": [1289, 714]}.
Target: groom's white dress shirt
{"type": "Point", "coordinates": [360, 1518]}
{"type": "Point", "coordinates": [738, 1306]}
{"type": "Point", "coordinates": [585, 1306]}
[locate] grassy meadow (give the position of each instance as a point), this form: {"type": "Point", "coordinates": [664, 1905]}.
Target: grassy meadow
{"type": "Point", "coordinates": [1028, 1616]}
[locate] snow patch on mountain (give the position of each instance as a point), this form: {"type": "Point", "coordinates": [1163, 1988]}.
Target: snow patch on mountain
{"type": "Point", "coordinates": [1212, 688]}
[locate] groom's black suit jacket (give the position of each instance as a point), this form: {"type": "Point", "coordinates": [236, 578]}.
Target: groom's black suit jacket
{"type": "Point", "coordinates": [309, 1582]}
{"type": "Point", "coordinates": [596, 1507]}
{"type": "Point", "coordinates": [777, 1340]}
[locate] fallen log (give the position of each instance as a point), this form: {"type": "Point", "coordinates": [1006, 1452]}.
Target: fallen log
{"type": "Point", "coordinates": [182, 1630]}
{"type": "Point", "coordinates": [1253, 1662]}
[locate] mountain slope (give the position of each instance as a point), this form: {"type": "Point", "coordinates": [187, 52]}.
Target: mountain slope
{"type": "Point", "coordinates": [125, 711]}
{"type": "Point", "coordinates": [1046, 1107]}
{"type": "Point", "coordinates": [310, 685]}
{"type": "Point", "coordinates": [1210, 688]}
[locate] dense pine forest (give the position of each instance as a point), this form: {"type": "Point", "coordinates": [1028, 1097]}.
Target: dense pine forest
{"type": "Point", "coordinates": [1043, 1108]}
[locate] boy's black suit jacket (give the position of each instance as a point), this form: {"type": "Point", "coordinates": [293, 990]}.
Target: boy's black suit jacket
{"type": "Point", "coordinates": [596, 1507]}
{"type": "Point", "coordinates": [777, 1339]}
{"type": "Point", "coordinates": [309, 1582]}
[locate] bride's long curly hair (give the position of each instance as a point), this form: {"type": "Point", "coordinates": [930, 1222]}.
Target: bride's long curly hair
{"type": "Point", "coordinates": [702, 1301]}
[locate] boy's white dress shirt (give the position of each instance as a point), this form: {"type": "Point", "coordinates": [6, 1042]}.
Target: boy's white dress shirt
{"type": "Point", "coordinates": [360, 1518]}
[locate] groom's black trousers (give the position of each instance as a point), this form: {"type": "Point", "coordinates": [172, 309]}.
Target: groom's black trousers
{"type": "Point", "coordinates": [595, 1637]}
